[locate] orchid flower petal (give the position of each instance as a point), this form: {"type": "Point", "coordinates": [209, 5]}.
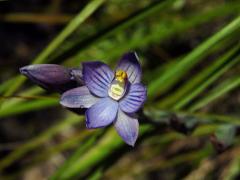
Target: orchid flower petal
{"type": "Point", "coordinates": [134, 99]}
{"type": "Point", "coordinates": [78, 98]}
{"type": "Point", "coordinates": [97, 77]}
{"type": "Point", "coordinates": [130, 64]}
{"type": "Point", "coordinates": [127, 127]}
{"type": "Point", "coordinates": [102, 113]}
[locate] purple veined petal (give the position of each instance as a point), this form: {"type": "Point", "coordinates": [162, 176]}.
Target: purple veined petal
{"type": "Point", "coordinates": [127, 127]}
{"type": "Point", "coordinates": [134, 98]}
{"type": "Point", "coordinates": [78, 98]}
{"type": "Point", "coordinates": [97, 77]}
{"type": "Point", "coordinates": [102, 113]}
{"type": "Point", "coordinates": [130, 64]}
{"type": "Point", "coordinates": [51, 77]}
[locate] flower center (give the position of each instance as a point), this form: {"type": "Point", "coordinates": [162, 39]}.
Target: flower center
{"type": "Point", "coordinates": [118, 86]}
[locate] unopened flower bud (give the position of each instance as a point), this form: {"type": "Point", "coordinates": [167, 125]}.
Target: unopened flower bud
{"type": "Point", "coordinates": [50, 76]}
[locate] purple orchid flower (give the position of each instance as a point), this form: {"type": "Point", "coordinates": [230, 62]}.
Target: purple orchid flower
{"type": "Point", "coordinates": [110, 97]}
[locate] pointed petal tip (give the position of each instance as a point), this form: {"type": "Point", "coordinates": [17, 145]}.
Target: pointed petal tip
{"type": "Point", "coordinates": [89, 126]}
{"type": "Point", "coordinates": [131, 54]}
{"type": "Point", "coordinates": [62, 102]}
{"type": "Point", "coordinates": [132, 144]}
{"type": "Point", "coordinates": [127, 128]}
{"type": "Point", "coordinates": [79, 97]}
{"type": "Point", "coordinates": [129, 63]}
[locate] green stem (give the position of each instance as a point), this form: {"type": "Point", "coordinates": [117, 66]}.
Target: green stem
{"type": "Point", "coordinates": [191, 59]}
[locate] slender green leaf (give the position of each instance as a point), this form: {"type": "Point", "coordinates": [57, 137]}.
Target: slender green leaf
{"type": "Point", "coordinates": [170, 77]}
{"type": "Point", "coordinates": [199, 78]}
{"type": "Point", "coordinates": [220, 90]}
{"type": "Point", "coordinates": [186, 99]}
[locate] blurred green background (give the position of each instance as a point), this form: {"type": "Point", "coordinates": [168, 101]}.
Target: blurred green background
{"type": "Point", "coordinates": [190, 55]}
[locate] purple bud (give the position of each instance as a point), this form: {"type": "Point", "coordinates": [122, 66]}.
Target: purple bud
{"type": "Point", "coordinates": [50, 76]}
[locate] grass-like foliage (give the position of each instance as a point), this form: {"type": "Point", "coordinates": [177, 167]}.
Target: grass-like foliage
{"type": "Point", "coordinates": [189, 126]}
